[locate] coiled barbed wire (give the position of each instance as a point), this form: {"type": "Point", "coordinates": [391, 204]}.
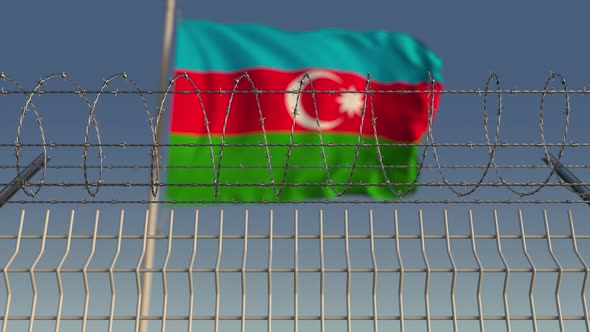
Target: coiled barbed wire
{"type": "Point", "coordinates": [91, 120]}
{"type": "Point", "coordinates": [278, 186]}
{"type": "Point", "coordinates": [19, 130]}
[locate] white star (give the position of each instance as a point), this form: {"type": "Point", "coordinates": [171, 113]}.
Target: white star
{"type": "Point", "coordinates": [351, 103]}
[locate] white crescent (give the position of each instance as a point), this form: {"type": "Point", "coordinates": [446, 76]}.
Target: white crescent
{"type": "Point", "coordinates": [300, 116]}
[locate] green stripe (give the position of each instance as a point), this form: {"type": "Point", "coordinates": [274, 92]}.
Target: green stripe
{"type": "Point", "coordinates": [389, 57]}
{"type": "Point", "coordinates": [254, 156]}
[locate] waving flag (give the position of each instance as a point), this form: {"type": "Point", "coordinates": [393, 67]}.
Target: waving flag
{"type": "Point", "coordinates": [291, 127]}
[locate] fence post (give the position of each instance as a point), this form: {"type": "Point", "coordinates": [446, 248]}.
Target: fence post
{"type": "Point", "coordinates": [153, 205]}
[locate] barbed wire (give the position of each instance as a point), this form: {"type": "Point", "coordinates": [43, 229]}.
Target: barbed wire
{"type": "Point", "coordinates": [493, 87]}
{"type": "Point", "coordinates": [318, 91]}
{"type": "Point", "coordinates": [426, 166]}
{"type": "Point", "coordinates": [306, 202]}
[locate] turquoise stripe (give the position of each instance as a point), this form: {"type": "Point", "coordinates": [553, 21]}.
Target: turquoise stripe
{"type": "Point", "coordinates": [389, 57]}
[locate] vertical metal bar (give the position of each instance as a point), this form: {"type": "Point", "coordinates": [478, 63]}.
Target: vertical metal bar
{"type": "Point", "coordinates": [32, 273]}
{"type": "Point", "coordinates": [296, 272]}
{"type": "Point", "coordinates": [138, 311]}
{"type": "Point", "coordinates": [159, 133]}
{"type": "Point", "coordinates": [322, 275]}
{"type": "Point", "coordinates": [7, 268]}
{"type": "Point", "coordinates": [401, 273]}
{"type": "Point", "coordinates": [111, 271]}
{"type": "Point", "coordinates": [243, 273]}
{"type": "Point", "coordinates": [533, 275]}
{"type": "Point", "coordinates": [190, 274]}
{"type": "Point", "coordinates": [148, 264]}
{"type": "Point", "coordinates": [348, 273]}
{"type": "Point", "coordinates": [427, 279]}
{"type": "Point", "coordinates": [454, 277]}
{"type": "Point", "coordinates": [164, 271]}
{"type": "Point", "coordinates": [217, 266]}
{"type": "Point", "coordinates": [167, 43]}
{"type": "Point", "coordinates": [375, 270]}
{"type": "Point", "coordinates": [586, 269]}
{"type": "Point", "coordinates": [85, 273]}
{"type": "Point", "coordinates": [560, 274]}
{"type": "Point", "coordinates": [58, 273]}
{"type": "Point", "coordinates": [480, 268]}
{"type": "Point", "coordinates": [506, 276]}
{"type": "Point", "coordinates": [270, 232]}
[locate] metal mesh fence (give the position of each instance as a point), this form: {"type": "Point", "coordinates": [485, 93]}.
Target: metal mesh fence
{"type": "Point", "coordinates": [324, 273]}
{"type": "Point", "coordinates": [491, 240]}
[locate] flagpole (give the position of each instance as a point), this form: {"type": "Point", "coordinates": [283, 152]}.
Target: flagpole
{"type": "Point", "coordinates": [153, 205]}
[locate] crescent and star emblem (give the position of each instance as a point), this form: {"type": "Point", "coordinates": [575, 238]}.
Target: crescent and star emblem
{"type": "Point", "coordinates": [351, 104]}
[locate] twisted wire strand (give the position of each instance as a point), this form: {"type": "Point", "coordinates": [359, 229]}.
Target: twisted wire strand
{"type": "Point", "coordinates": [491, 144]}
{"type": "Point", "coordinates": [426, 166]}
{"type": "Point", "coordinates": [192, 145]}
{"type": "Point", "coordinates": [480, 92]}
{"type": "Point", "coordinates": [313, 201]}
{"type": "Point", "coordinates": [309, 184]}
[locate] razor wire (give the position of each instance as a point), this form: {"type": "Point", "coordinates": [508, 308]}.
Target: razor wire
{"type": "Point", "coordinates": [429, 146]}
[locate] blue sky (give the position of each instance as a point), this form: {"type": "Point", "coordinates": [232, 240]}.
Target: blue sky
{"type": "Point", "coordinates": [523, 42]}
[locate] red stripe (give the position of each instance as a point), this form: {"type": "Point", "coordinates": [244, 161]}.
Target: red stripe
{"type": "Point", "coordinates": [399, 117]}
